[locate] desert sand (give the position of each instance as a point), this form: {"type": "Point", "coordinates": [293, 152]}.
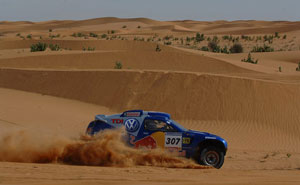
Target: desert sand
{"type": "Point", "coordinates": [48, 98]}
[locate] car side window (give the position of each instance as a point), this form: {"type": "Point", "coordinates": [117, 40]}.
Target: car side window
{"type": "Point", "coordinates": [158, 125]}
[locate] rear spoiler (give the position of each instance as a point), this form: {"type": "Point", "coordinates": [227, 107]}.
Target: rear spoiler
{"type": "Point", "coordinates": [101, 117]}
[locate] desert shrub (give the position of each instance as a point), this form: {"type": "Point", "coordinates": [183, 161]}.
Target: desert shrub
{"type": "Point", "coordinates": [113, 32]}
{"type": "Point", "coordinates": [54, 36]}
{"type": "Point", "coordinates": [168, 43]}
{"type": "Point", "coordinates": [103, 36]}
{"type": "Point", "coordinates": [50, 30]}
{"type": "Point", "coordinates": [118, 65]}
{"type": "Point", "coordinates": [168, 37]}
{"type": "Point", "coordinates": [54, 47]}
{"type": "Point", "coordinates": [204, 48]}
{"type": "Point", "coordinates": [236, 48]}
{"type": "Point", "coordinates": [199, 37]}
{"type": "Point", "coordinates": [215, 39]}
{"type": "Point", "coordinates": [139, 27]}
{"type": "Point", "coordinates": [277, 35]}
{"type": "Point", "coordinates": [279, 69]}
{"type": "Point", "coordinates": [18, 34]}
{"type": "Point", "coordinates": [264, 48]}
{"type": "Point", "coordinates": [124, 26]}
{"type": "Point", "coordinates": [258, 38]}
{"type": "Point", "coordinates": [289, 155]}
{"type": "Point", "coordinates": [269, 38]}
{"type": "Point", "coordinates": [93, 35]}
{"type": "Point", "coordinates": [188, 39]}
{"type": "Point", "coordinates": [38, 47]}
{"type": "Point", "coordinates": [250, 59]}
{"type": "Point", "coordinates": [213, 46]}
{"type": "Point", "coordinates": [224, 50]}
{"type": "Point", "coordinates": [29, 36]}
{"type": "Point", "coordinates": [79, 34]}
{"type": "Point", "coordinates": [208, 39]}
{"type": "Point", "coordinates": [298, 68]}
{"type": "Point", "coordinates": [157, 49]}
{"type": "Point", "coordinates": [88, 49]}
{"type": "Point", "coordinates": [284, 37]}
{"type": "Point", "coordinates": [227, 37]}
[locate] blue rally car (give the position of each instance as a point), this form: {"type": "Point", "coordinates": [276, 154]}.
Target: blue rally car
{"type": "Point", "coordinates": [157, 129]}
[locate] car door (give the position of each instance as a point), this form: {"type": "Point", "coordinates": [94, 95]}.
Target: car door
{"type": "Point", "coordinates": [159, 133]}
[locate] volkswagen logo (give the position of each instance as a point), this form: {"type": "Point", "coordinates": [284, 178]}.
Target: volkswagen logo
{"type": "Point", "coordinates": [132, 125]}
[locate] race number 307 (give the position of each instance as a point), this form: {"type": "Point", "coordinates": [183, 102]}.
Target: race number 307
{"type": "Point", "coordinates": [173, 141]}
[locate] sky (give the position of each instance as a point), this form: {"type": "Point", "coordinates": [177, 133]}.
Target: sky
{"type": "Point", "coordinates": [202, 10]}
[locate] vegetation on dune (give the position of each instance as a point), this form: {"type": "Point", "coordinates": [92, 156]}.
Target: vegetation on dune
{"type": "Point", "coordinates": [54, 47]}
{"type": "Point", "coordinates": [264, 48]}
{"type": "Point", "coordinates": [118, 65]}
{"type": "Point", "coordinates": [103, 36]}
{"type": "Point", "coordinates": [93, 35]}
{"type": "Point", "coordinates": [54, 36]}
{"type": "Point", "coordinates": [29, 36]}
{"type": "Point", "coordinates": [237, 48]}
{"type": "Point", "coordinates": [88, 49]}
{"type": "Point", "coordinates": [214, 47]}
{"type": "Point", "coordinates": [38, 47]}
{"type": "Point", "coordinates": [79, 34]}
{"type": "Point", "coordinates": [298, 68]}
{"type": "Point", "coordinates": [250, 59]}
{"type": "Point", "coordinates": [157, 49]}
{"type": "Point", "coordinates": [199, 37]}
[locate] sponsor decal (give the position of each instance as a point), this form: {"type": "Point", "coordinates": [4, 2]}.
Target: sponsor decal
{"type": "Point", "coordinates": [173, 141]}
{"type": "Point", "coordinates": [117, 121]}
{"type": "Point", "coordinates": [133, 114]}
{"type": "Point", "coordinates": [210, 137]}
{"type": "Point", "coordinates": [132, 125]}
{"type": "Point", "coordinates": [147, 142]}
{"type": "Point", "coordinates": [186, 140]}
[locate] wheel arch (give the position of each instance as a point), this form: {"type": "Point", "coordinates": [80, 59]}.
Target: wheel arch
{"type": "Point", "coordinates": [212, 142]}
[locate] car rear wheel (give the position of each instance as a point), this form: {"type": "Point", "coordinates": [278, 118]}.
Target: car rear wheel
{"type": "Point", "coordinates": [212, 156]}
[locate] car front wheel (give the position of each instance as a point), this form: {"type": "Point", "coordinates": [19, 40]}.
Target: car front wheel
{"type": "Point", "coordinates": [212, 156]}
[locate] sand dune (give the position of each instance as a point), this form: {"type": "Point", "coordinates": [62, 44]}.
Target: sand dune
{"type": "Point", "coordinates": [56, 93]}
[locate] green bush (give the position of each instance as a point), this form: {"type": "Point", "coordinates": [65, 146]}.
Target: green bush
{"type": "Point", "coordinates": [118, 65]}
{"type": "Point", "coordinates": [298, 68]}
{"type": "Point", "coordinates": [88, 49]}
{"type": "Point", "coordinates": [237, 48]}
{"type": "Point", "coordinates": [54, 36]}
{"type": "Point", "coordinates": [157, 49]}
{"type": "Point", "coordinates": [93, 35]}
{"type": "Point", "coordinates": [29, 36]}
{"type": "Point", "coordinates": [204, 48]}
{"type": "Point", "coordinates": [284, 37]}
{"type": "Point", "coordinates": [18, 34]}
{"type": "Point", "coordinates": [78, 35]}
{"type": "Point", "coordinates": [124, 26]}
{"type": "Point", "coordinates": [224, 50]}
{"type": "Point", "coordinates": [38, 47]}
{"type": "Point", "coordinates": [139, 27]}
{"type": "Point", "coordinates": [199, 37]}
{"type": "Point", "coordinates": [50, 30]}
{"type": "Point", "coordinates": [168, 43]}
{"type": "Point", "coordinates": [264, 48]}
{"type": "Point", "coordinates": [54, 47]}
{"type": "Point", "coordinates": [213, 46]}
{"type": "Point", "coordinates": [250, 59]}
{"type": "Point", "coordinates": [103, 36]}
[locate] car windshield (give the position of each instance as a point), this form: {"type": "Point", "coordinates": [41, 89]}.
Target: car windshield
{"type": "Point", "coordinates": [179, 126]}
